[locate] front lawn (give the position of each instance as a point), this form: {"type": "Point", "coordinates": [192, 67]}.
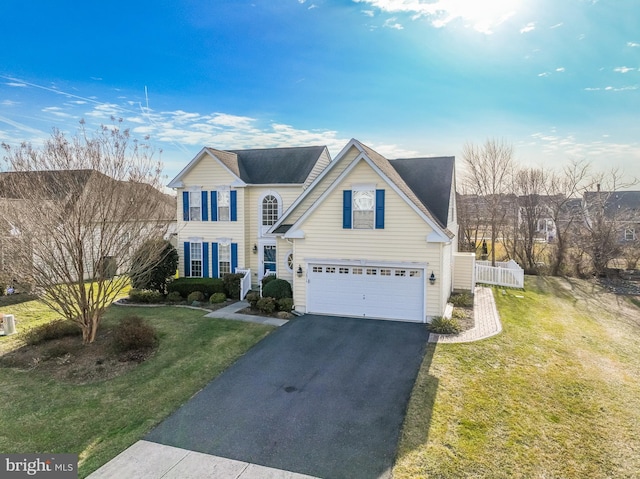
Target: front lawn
{"type": "Point", "coordinates": [99, 420]}
{"type": "Point", "coordinates": [556, 395]}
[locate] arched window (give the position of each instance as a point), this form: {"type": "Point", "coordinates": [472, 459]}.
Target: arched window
{"type": "Point", "coordinates": [269, 210]}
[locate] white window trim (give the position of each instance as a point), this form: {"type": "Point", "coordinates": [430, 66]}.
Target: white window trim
{"type": "Point", "coordinates": [197, 191]}
{"type": "Point", "coordinates": [191, 259]}
{"type": "Point", "coordinates": [286, 261]}
{"type": "Point", "coordinates": [262, 229]}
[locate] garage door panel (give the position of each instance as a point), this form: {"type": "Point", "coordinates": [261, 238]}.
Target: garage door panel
{"type": "Point", "coordinates": [376, 292]}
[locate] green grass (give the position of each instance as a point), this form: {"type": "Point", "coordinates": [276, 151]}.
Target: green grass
{"type": "Point", "coordinates": [556, 395]}
{"type": "Point", "coordinates": [100, 420]}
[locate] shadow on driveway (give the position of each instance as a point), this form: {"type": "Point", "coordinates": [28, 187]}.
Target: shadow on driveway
{"type": "Point", "coordinates": [322, 396]}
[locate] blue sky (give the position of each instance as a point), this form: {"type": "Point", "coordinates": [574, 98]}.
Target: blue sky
{"type": "Point", "coordinates": [559, 79]}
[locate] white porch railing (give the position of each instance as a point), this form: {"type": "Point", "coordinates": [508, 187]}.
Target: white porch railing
{"type": "Point", "coordinates": [508, 274]}
{"type": "Point", "coordinates": [245, 282]}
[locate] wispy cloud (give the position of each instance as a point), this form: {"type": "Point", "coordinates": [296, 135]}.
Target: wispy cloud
{"type": "Point", "coordinates": [392, 23]}
{"type": "Point", "coordinates": [544, 74]}
{"type": "Point", "coordinates": [529, 27]}
{"type": "Point", "coordinates": [368, 13]}
{"type": "Point", "coordinates": [611, 88]}
{"type": "Point", "coordinates": [16, 84]}
{"type": "Point", "coordinates": [483, 17]}
{"type": "Point", "coordinates": [633, 44]}
{"type": "Point", "coordinates": [557, 25]}
{"type": "Point", "coordinates": [560, 69]}
{"type": "Point", "coordinates": [623, 69]}
{"type": "Point", "coordinates": [9, 103]}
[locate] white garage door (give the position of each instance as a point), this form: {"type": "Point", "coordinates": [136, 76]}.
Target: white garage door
{"type": "Point", "coordinates": [366, 291]}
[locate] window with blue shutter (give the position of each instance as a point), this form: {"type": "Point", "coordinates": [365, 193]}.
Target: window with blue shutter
{"type": "Point", "coordinates": [214, 260]}
{"type": "Point", "coordinates": [234, 257]}
{"type": "Point", "coordinates": [187, 258]}
{"type": "Point", "coordinates": [185, 205]}
{"type": "Point", "coordinates": [379, 209]}
{"type": "Point", "coordinates": [204, 206]}
{"type": "Point", "coordinates": [234, 205]}
{"type": "Point", "coordinates": [346, 209]}
{"type": "Point", "coordinates": [205, 260]}
{"type": "Point", "coordinates": [214, 207]}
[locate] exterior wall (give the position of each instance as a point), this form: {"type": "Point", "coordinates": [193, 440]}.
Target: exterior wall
{"type": "Point", "coordinates": [464, 271]}
{"type": "Point", "coordinates": [210, 175]}
{"type": "Point", "coordinates": [320, 165]}
{"type": "Point", "coordinates": [329, 178]}
{"type": "Point", "coordinates": [253, 215]}
{"type": "Point", "coordinates": [402, 240]}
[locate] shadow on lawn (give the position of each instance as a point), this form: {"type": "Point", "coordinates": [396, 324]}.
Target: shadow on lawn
{"type": "Point", "coordinates": [417, 421]}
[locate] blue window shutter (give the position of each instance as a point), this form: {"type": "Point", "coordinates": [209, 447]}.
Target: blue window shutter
{"type": "Point", "coordinates": [234, 257]}
{"type": "Point", "coordinates": [205, 260]}
{"type": "Point", "coordinates": [185, 206]}
{"type": "Point", "coordinates": [214, 206]}
{"type": "Point", "coordinates": [346, 209]}
{"type": "Point", "coordinates": [214, 260]}
{"type": "Point", "coordinates": [233, 205]}
{"type": "Point", "coordinates": [187, 258]}
{"type": "Point", "coordinates": [204, 206]}
{"type": "Point", "coordinates": [379, 209]}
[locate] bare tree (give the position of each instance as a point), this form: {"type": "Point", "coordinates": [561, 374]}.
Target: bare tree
{"type": "Point", "coordinates": [78, 208]}
{"type": "Point", "coordinates": [489, 171]}
{"type": "Point", "coordinates": [605, 216]}
{"type": "Point", "coordinates": [532, 210]}
{"type": "Point", "coordinates": [563, 190]}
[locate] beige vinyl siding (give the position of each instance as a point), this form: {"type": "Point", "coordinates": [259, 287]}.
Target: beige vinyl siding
{"type": "Point", "coordinates": [209, 175]}
{"type": "Point", "coordinates": [402, 240]}
{"type": "Point", "coordinates": [253, 214]}
{"type": "Point", "coordinates": [464, 271]}
{"type": "Point", "coordinates": [324, 183]}
{"type": "Point", "coordinates": [320, 165]}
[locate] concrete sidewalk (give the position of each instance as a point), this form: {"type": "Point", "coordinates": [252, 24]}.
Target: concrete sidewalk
{"type": "Point", "coordinates": [486, 319]}
{"type": "Point", "coordinates": [148, 460]}
{"type": "Point", "coordinates": [231, 312]}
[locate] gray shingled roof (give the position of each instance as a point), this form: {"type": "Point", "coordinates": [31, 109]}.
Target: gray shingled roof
{"type": "Point", "coordinates": [615, 202]}
{"type": "Point", "coordinates": [430, 180]}
{"type": "Point", "coordinates": [277, 165]}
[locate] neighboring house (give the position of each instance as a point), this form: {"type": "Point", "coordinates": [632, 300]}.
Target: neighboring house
{"type": "Point", "coordinates": [359, 236]}
{"type": "Point", "coordinates": [62, 193]}
{"type": "Point", "coordinates": [621, 209]}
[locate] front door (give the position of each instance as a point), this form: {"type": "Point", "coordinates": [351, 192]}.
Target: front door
{"type": "Point", "coordinates": [268, 259]}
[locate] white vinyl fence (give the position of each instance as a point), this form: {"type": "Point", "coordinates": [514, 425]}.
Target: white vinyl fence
{"type": "Point", "coordinates": [245, 282]}
{"type": "Point", "coordinates": [508, 274]}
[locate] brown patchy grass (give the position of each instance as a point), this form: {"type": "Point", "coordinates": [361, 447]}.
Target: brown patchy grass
{"type": "Point", "coordinates": [556, 395]}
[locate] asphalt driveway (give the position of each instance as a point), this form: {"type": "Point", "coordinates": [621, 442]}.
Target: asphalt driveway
{"type": "Point", "coordinates": [322, 396]}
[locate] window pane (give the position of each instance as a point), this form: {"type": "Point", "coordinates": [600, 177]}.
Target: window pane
{"type": "Point", "coordinates": [363, 219]}
{"type": "Point", "coordinates": [223, 205]}
{"type": "Point", "coordinates": [363, 216]}
{"type": "Point", "coordinates": [269, 210]}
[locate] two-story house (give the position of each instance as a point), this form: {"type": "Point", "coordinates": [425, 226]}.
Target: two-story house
{"type": "Point", "coordinates": [359, 236]}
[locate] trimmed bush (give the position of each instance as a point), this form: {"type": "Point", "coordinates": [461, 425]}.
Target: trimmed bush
{"type": "Point", "coordinates": [285, 304]}
{"type": "Point", "coordinates": [461, 300]}
{"type": "Point", "coordinates": [277, 289]}
{"type": "Point", "coordinates": [232, 284]}
{"type": "Point", "coordinates": [441, 325]}
{"type": "Point", "coordinates": [267, 279]}
{"type": "Point", "coordinates": [134, 333]}
{"type": "Point", "coordinates": [195, 296]}
{"type": "Point", "coordinates": [157, 275]}
{"type": "Point", "coordinates": [174, 297]}
{"type": "Point", "coordinates": [207, 286]}
{"type": "Point", "coordinates": [58, 328]}
{"type": "Point", "coordinates": [253, 299]}
{"type": "Point", "coordinates": [217, 298]}
{"type": "Point", "coordinates": [266, 305]}
{"type": "Point", "coordinates": [144, 296]}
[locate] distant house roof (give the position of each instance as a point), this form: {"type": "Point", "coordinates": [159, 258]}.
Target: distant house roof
{"type": "Point", "coordinates": [615, 202]}
{"type": "Point", "coordinates": [68, 186]}
{"type": "Point", "coordinates": [430, 179]}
